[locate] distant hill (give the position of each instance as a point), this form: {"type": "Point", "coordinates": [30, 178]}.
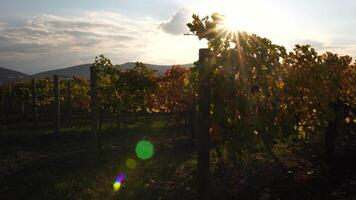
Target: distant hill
{"type": "Point", "coordinates": [11, 75]}
{"type": "Point", "coordinates": [160, 69]}
{"type": "Point", "coordinates": [83, 71]}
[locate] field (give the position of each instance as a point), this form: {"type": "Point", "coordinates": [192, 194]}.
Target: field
{"type": "Point", "coordinates": [249, 120]}
{"type": "Point", "coordinates": [35, 164]}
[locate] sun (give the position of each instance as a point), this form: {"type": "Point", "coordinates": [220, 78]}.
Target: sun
{"type": "Point", "coordinates": [239, 15]}
{"type": "Point", "coordinates": [231, 23]}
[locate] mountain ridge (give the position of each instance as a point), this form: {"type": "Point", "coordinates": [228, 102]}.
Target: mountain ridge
{"type": "Point", "coordinates": [11, 75]}
{"type": "Point", "coordinates": [81, 71]}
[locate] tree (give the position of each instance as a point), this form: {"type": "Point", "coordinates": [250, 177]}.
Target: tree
{"type": "Point", "coordinates": [314, 92]}
{"type": "Point", "coordinates": [138, 84]}
{"type": "Point", "coordinates": [108, 81]}
{"type": "Point", "coordinates": [172, 91]}
{"type": "Point", "coordinates": [246, 75]}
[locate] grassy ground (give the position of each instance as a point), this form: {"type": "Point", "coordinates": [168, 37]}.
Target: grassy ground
{"type": "Point", "coordinates": [35, 164]}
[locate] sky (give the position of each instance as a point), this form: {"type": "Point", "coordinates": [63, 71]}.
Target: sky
{"type": "Point", "coordinates": [39, 35]}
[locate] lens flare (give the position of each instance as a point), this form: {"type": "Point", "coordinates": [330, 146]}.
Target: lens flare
{"type": "Point", "coordinates": [144, 149]}
{"type": "Point", "coordinates": [131, 163]}
{"type": "Point", "coordinates": [118, 182]}
{"type": "Point", "coordinates": [117, 186]}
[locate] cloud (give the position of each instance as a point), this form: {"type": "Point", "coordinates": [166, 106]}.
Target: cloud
{"type": "Point", "coordinates": [313, 43]}
{"type": "Point", "coordinates": [177, 24]}
{"type": "Point", "coordinates": [49, 41]}
{"type": "Point", "coordinates": [74, 38]}
{"type": "Point", "coordinates": [337, 46]}
{"type": "Point", "coordinates": [56, 32]}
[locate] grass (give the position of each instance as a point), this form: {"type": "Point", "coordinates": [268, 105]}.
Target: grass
{"type": "Point", "coordinates": [38, 165]}
{"type": "Point", "coordinates": [35, 164]}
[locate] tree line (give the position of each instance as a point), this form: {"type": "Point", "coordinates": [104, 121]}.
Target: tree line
{"type": "Point", "coordinates": [260, 93]}
{"type": "Point", "coordinates": [136, 90]}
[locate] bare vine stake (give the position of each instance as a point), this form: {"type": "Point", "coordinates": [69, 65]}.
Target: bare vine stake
{"type": "Point", "coordinates": [69, 98]}
{"type": "Point", "coordinates": [34, 102]}
{"type": "Point", "coordinates": [22, 102]}
{"type": "Point", "coordinates": [94, 104]}
{"type": "Point", "coordinates": [1, 102]}
{"type": "Point", "coordinates": [56, 104]}
{"type": "Point", "coordinates": [203, 125]}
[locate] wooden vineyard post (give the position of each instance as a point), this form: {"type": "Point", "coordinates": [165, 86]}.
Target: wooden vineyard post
{"type": "Point", "coordinates": [22, 106]}
{"type": "Point", "coordinates": [2, 94]}
{"type": "Point", "coordinates": [1, 102]}
{"type": "Point", "coordinates": [56, 104]}
{"type": "Point", "coordinates": [203, 124]}
{"type": "Point", "coordinates": [69, 99]}
{"type": "Point", "coordinates": [34, 102]}
{"type": "Point", "coordinates": [331, 131]}
{"type": "Point", "coordinates": [94, 104]}
{"type": "Point", "coordinates": [12, 100]}
{"type": "Point", "coordinates": [22, 101]}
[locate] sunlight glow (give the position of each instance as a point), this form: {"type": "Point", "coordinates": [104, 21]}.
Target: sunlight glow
{"type": "Point", "coordinates": [264, 18]}
{"type": "Point", "coordinates": [231, 23]}
{"type": "Point", "coordinates": [239, 15]}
